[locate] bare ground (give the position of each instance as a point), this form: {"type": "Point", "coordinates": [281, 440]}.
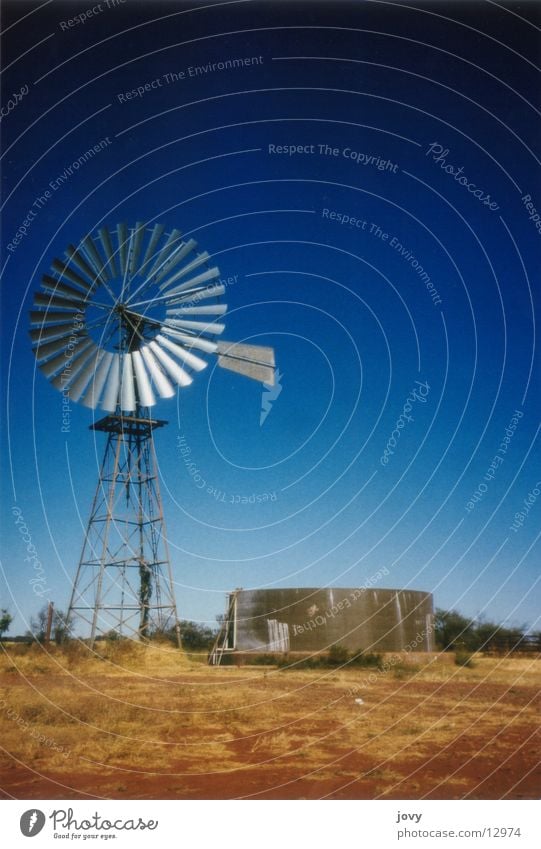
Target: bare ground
{"type": "Point", "coordinates": [153, 724]}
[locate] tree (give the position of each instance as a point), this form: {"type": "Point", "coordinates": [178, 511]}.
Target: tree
{"type": "Point", "coordinates": [453, 630]}
{"type": "Point", "coordinates": [60, 627]}
{"type": "Point", "coordinates": [196, 637]}
{"type": "Point", "coordinates": [5, 621]}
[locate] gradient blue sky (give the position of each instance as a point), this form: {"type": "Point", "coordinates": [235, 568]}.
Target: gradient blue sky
{"type": "Point", "coordinates": [352, 323]}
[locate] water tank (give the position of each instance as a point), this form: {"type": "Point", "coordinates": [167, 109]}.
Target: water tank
{"type": "Point", "coordinates": [312, 620]}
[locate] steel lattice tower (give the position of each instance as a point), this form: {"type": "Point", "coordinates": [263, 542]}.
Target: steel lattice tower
{"type": "Point", "coordinates": [124, 581]}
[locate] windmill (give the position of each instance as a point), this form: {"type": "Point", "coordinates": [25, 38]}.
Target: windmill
{"type": "Point", "coordinates": [125, 319]}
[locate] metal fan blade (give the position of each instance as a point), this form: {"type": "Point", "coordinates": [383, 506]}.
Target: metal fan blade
{"type": "Point", "coordinates": [138, 236]}
{"type": "Point", "coordinates": [47, 317]}
{"type": "Point", "coordinates": [186, 356]}
{"type": "Point", "coordinates": [191, 341]}
{"type": "Point", "coordinates": [155, 237]}
{"type": "Point", "coordinates": [105, 238]}
{"type": "Point", "coordinates": [65, 272]}
{"type": "Point", "coordinates": [77, 258]}
{"type": "Point", "coordinates": [58, 362]}
{"type": "Point", "coordinates": [198, 326]}
{"type": "Point", "coordinates": [73, 367]}
{"type": "Point", "coordinates": [122, 236]}
{"type": "Point", "coordinates": [171, 367]}
{"type": "Point", "coordinates": [187, 269]}
{"type": "Point", "coordinates": [127, 389]}
{"type": "Point", "coordinates": [110, 395]}
{"type": "Point", "coordinates": [144, 389]}
{"type": "Point", "coordinates": [79, 384]}
{"type": "Point", "coordinates": [49, 348]}
{"type": "Point", "coordinates": [95, 258]}
{"type": "Point", "coordinates": [180, 252]}
{"type": "Point", "coordinates": [215, 309]}
{"type": "Point", "coordinates": [197, 295]}
{"type": "Point", "coordinates": [255, 361]}
{"type": "Point", "coordinates": [51, 284]}
{"type": "Point", "coordinates": [211, 274]}
{"type": "Point", "coordinates": [52, 302]}
{"type": "Point", "coordinates": [45, 333]}
{"type": "Point", "coordinates": [166, 252]}
{"type": "Point", "coordinates": [161, 382]}
{"type": "Point", "coordinates": [264, 374]}
{"type": "Point", "coordinates": [95, 387]}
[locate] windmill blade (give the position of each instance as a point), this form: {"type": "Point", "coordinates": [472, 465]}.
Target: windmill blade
{"type": "Point", "coordinates": [166, 252]}
{"type": "Point", "coordinates": [95, 387]}
{"type": "Point", "coordinates": [77, 258]}
{"type": "Point", "coordinates": [105, 238]}
{"type": "Point", "coordinates": [79, 384]}
{"type": "Point", "coordinates": [144, 389]}
{"type": "Point", "coordinates": [49, 348]}
{"type": "Point", "coordinates": [214, 309]}
{"type": "Point", "coordinates": [155, 237]}
{"type": "Point", "coordinates": [254, 361]}
{"type": "Point", "coordinates": [201, 294]}
{"type": "Point", "coordinates": [127, 388]}
{"type": "Point", "coordinates": [63, 381]}
{"type": "Point", "coordinates": [95, 258]}
{"type": "Point", "coordinates": [58, 363]}
{"type": "Point", "coordinates": [44, 333]}
{"type": "Point", "coordinates": [198, 326]}
{"type": "Point", "coordinates": [47, 317]}
{"type": "Point", "coordinates": [110, 394]}
{"type": "Point", "coordinates": [186, 356]}
{"type": "Point", "coordinates": [171, 367]}
{"type": "Point", "coordinates": [191, 341]}
{"type": "Point", "coordinates": [51, 284]}
{"type": "Point", "coordinates": [122, 236]}
{"type": "Point", "coordinates": [211, 274]}
{"type": "Point", "coordinates": [53, 302]}
{"type": "Point", "coordinates": [65, 272]}
{"type": "Point", "coordinates": [201, 259]}
{"type": "Point", "coordinates": [180, 252]}
{"type": "Point", "coordinates": [161, 382]}
{"type": "Point", "coordinates": [137, 242]}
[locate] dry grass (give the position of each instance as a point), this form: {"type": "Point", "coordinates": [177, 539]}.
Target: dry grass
{"type": "Point", "coordinates": [156, 710]}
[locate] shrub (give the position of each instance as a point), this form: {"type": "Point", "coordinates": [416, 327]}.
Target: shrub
{"type": "Point", "coordinates": [313, 662]}
{"type": "Point", "coordinates": [337, 655]}
{"type": "Point", "coordinates": [464, 658]}
{"type": "Point", "coordinates": [367, 659]}
{"type": "Point", "coordinates": [261, 660]}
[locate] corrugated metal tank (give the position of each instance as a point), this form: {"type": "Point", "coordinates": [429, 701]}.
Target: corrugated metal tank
{"type": "Point", "coordinates": [312, 620]}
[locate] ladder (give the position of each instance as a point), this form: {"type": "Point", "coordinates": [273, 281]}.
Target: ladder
{"type": "Point", "coordinates": [223, 641]}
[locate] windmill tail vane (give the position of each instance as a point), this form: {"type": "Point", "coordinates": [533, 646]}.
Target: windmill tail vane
{"type": "Point", "coordinates": [124, 319]}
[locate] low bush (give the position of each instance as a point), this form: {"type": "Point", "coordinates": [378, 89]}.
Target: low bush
{"type": "Point", "coordinates": [464, 658]}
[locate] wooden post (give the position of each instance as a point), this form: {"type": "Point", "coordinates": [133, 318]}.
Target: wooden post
{"type": "Point", "coordinates": [48, 629]}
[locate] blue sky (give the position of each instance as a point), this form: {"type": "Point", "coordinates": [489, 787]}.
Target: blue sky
{"type": "Point", "coordinates": [354, 326]}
